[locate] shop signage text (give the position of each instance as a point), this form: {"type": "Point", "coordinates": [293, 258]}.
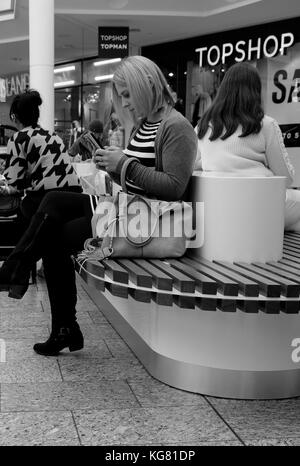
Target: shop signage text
{"type": "Point", "coordinates": [246, 50]}
{"type": "Point", "coordinates": [285, 91]}
{"type": "Point", "coordinates": [113, 42]}
{"type": "Point", "coordinates": [13, 85]}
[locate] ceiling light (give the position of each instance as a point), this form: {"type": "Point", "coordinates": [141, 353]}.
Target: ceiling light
{"type": "Point", "coordinates": [64, 83]}
{"type": "Point", "coordinates": [171, 75]}
{"type": "Point", "coordinates": [65, 68]}
{"type": "Point", "coordinates": [104, 77]}
{"type": "Point", "coordinates": [107, 62]}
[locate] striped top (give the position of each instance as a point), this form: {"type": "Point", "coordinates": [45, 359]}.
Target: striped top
{"type": "Point", "coordinates": [142, 148]}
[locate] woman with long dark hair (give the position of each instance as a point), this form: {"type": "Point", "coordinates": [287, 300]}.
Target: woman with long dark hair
{"type": "Point", "coordinates": [237, 138]}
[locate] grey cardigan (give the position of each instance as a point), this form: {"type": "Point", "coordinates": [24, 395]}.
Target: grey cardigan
{"type": "Point", "coordinates": [175, 150]}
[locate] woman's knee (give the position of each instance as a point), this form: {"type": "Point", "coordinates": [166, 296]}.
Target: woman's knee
{"type": "Point", "coordinates": [49, 201]}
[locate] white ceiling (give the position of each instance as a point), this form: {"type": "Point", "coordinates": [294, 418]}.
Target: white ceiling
{"type": "Point", "coordinates": [150, 22]}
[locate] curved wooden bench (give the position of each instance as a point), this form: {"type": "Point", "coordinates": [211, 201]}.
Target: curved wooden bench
{"type": "Point", "coordinates": [204, 326]}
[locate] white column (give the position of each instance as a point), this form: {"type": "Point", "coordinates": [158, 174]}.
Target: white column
{"type": "Point", "coordinates": [41, 56]}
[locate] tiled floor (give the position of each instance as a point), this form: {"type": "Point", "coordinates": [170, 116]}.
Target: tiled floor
{"type": "Point", "coordinates": [102, 395]}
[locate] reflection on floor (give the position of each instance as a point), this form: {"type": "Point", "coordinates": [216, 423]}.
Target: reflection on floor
{"type": "Point", "coordinates": [103, 396]}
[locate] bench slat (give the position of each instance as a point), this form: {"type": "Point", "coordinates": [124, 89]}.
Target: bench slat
{"type": "Point", "coordinates": [225, 285]}
{"type": "Point", "coordinates": [160, 280]}
{"type": "Point", "coordinates": [162, 299]}
{"type": "Point", "coordinates": [290, 257]}
{"type": "Point", "coordinates": [136, 274]}
{"type": "Point", "coordinates": [203, 283]}
{"type": "Point", "coordinates": [226, 305]}
{"type": "Point", "coordinates": [291, 250]}
{"type": "Point", "coordinates": [267, 287]}
{"type": "Point", "coordinates": [292, 233]}
{"type": "Point", "coordinates": [290, 307]}
{"type": "Point", "coordinates": [140, 295]}
{"type": "Point", "coordinates": [180, 281]}
{"type": "Point", "coordinates": [293, 271]}
{"type": "Point", "coordinates": [95, 267]}
{"type": "Point", "coordinates": [206, 304]}
{"type": "Point", "coordinates": [291, 242]}
{"type": "Point", "coordinates": [114, 271]}
{"type": "Point", "coordinates": [187, 302]}
{"type": "Point", "coordinates": [250, 307]}
{"type": "Point", "coordinates": [293, 264]}
{"type": "Point", "coordinates": [117, 290]}
{"type": "Point", "coordinates": [270, 307]}
{"type": "Point", "coordinates": [288, 288]}
{"type": "Point", "coordinates": [92, 281]}
{"type": "Point", "coordinates": [293, 290]}
{"type": "Point", "coordinates": [247, 287]}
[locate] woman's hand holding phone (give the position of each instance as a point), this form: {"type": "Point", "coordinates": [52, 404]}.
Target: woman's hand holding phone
{"type": "Point", "coordinates": [108, 158]}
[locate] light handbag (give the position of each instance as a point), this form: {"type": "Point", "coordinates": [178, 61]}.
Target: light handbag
{"type": "Point", "coordinates": [130, 225]}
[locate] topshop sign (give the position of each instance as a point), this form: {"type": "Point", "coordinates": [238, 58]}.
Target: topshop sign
{"type": "Point", "coordinates": [246, 49]}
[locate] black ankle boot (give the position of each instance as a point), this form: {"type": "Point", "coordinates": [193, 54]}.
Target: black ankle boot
{"type": "Point", "coordinates": [13, 280]}
{"type": "Point", "coordinates": [64, 337]}
{"type": "Point", "coordinates": [15, 272]}
{"type": "Point", "coordinates": [6, 272]}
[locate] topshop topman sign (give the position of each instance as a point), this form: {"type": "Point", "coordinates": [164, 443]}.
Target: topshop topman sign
{"type": "Point", "coordinates": [113, 42]}
{"type": "Point", "coordinates": [251, 49]}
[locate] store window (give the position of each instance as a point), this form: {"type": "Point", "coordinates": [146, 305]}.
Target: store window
{"type": "Point", "coordinates": [83, 93]}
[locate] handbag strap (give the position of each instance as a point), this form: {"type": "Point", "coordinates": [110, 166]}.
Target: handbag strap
{"type": "Point", "coordinates": [124, 170]}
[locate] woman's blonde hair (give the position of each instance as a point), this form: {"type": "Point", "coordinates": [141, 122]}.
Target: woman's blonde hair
{"type": "Point", "coordinates": [146, 84]}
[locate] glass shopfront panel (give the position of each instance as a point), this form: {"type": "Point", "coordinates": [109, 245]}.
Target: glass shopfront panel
{"type": "Point", "coordinates": [83, 93]}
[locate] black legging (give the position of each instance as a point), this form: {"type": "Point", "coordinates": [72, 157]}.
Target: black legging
{"type": "Point", "coordinates": [69, 226]}
{"type": "Point", "coordinates": [30, 204]}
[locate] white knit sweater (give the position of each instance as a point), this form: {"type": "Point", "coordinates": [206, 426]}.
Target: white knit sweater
{"type": "Point", "coordinates": [262, 154]}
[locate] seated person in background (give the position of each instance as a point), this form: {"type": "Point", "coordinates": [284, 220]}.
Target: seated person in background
{"type": "Point", "coordinates": [116, 133]}
{"type": "Point", "coordinates": [90, 140]}
{"type": "Point", "coordinates": [236, 137]}
{"type": "Point", "coordinates": [37, 160]}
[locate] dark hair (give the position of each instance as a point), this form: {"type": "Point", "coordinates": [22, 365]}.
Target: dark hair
{"type": "Point", "coordinates": [238, 102]}
{"type": "Point", "coordinates": [25, 107]}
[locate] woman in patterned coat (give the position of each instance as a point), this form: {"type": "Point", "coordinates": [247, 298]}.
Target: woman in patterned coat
{"type": "Point", "coordinates": [37, 160]}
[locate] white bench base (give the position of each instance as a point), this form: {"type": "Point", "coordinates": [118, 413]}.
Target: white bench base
{"type": "Point", "coordinates": [229, 355]}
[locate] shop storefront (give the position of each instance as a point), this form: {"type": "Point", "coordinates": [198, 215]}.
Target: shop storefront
{"type": "Point", "coordinates": [82, 92]}
{"type": "Point", "coordinates": [195, 68]}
